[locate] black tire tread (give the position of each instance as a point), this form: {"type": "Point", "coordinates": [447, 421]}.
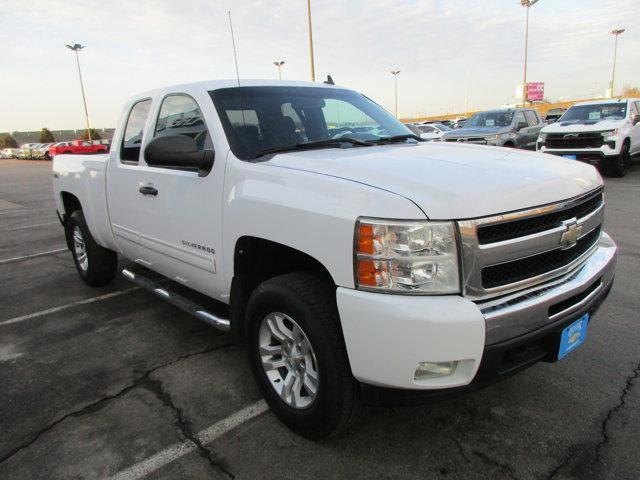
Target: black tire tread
{"type": "Point", "coordinates": [103, 263]}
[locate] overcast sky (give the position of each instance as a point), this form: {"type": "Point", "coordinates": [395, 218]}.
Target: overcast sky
{"type": "Point", "coordinates": [133, 46]}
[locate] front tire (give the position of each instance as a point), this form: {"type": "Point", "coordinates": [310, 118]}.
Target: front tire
{"type": "Point", "coordinates": [96, 265]}
{"type": "Point", "coordinates": [618, 166]}
{"type": "Point", "coordinates": [298, 357]}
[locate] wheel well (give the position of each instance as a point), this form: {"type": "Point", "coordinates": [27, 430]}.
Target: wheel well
{"type": "Point", "coordinates": [627, 142]}
{"type": "Point", "coordinates": [70, 203]}
{"type": "Point", "coordinates": [256, 260]}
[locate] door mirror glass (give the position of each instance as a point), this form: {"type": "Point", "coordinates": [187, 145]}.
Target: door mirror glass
{"type": "Point", "coordinates": [521, 125]}
{"type": "Point", "coordinates": [179, 152]}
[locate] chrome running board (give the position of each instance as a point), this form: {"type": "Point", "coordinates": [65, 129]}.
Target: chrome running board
{"type": "Point", "coordinates": [183, 303]}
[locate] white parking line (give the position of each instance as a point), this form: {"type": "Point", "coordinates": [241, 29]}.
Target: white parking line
{"type": "Point", "coordinates": [178, 450]}
{"type": "Point", "coordinates": [24, 227]}
{"type": "Point", "coordinates": [64, 307]}
{"type": "Point", "coordinates": [32, 255]}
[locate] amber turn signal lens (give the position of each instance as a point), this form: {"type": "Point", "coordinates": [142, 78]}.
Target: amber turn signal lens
{"type": "Point", "coordinates": [367, 273]}
{"type": "Point", "coordinates": [365, 239]}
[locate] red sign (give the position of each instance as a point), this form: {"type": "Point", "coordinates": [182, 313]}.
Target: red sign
{"type": "Point", "coordinates": [535, 91]}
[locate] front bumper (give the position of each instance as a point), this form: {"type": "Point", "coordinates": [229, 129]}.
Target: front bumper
{"type": "Point", "coordinates": [593, 156]}
{"type": "Point", "coordinates": [388, 335]}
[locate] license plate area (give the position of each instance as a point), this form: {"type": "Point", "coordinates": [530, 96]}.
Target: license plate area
{"type": "Point", "coordinates": [572, 336]}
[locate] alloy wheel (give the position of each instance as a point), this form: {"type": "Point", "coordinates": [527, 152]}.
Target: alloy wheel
{"type": "Point", "coordinates": [288, 360]}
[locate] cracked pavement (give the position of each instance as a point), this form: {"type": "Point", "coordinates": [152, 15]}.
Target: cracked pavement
{"type": "Point", "coordinates": [88, 391]}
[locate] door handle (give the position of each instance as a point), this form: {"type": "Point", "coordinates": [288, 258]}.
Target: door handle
{"type": "Point", "coordinates": [148, 191]}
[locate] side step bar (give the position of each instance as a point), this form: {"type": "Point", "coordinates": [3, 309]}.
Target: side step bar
{"type": "Point", "coordinates": [183, 303]}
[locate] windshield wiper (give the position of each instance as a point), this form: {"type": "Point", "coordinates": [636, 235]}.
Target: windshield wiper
{"type": "Point", "coordinates": [400, 138]}
{"type": "Point", "coordinates": [326, 143]}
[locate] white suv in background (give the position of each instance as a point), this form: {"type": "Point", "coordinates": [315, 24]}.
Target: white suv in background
{"type": "Point", "coordinates": [432, 131]}
{"type": "Point", "coordinates": [604, 133]}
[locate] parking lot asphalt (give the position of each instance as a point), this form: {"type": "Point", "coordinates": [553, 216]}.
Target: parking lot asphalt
{"type": "Point", "coordinates": [110, 381]}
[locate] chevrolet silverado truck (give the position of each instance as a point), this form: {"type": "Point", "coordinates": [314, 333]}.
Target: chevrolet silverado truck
{"type": "Point", "coordinates": [360, 268]}
{"type": "Point", "coordinates": [605, 133]}
{"type": "Point", "coordinates": [508, 127]}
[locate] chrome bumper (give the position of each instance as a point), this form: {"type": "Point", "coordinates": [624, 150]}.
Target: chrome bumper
{"type": "Point", "coordinates": [513, 315]}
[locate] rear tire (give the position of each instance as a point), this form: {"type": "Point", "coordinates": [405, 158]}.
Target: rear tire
{"type": "Point", "coordinates": [305, 304]}
{"type": "Point", "coordinates": [96, 265]}
{"type": "Point", "coordinates": [618, 166]}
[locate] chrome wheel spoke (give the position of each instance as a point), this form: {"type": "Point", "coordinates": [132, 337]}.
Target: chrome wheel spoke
{"type": "Point", "coordinates": [80, 249]}
{"type": "Point", "coordinates": [273, 364]}
{"type": "Point", "coordinates": [311, 382]}
{"type": "Point", "coordinates": [287, 387]}
{"type": "Point", "coordinates": [271, 350]}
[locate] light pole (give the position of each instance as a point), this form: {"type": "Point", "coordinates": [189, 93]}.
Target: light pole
{"type": "Point", "coordinates": [279, 64]}
{"type": "Point", "coordinates": [527, 4]}
{"type": "Point", "coordinates": [313, 69]}
{"type": "Point", "coordinates": [616, 33]}
{"type": "Point", "coordinates": [395, 87]}
{"type": "Point", "coordinates": [76, 48]}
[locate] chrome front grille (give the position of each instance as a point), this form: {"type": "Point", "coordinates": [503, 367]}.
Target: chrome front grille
{"type": "Point", "coordinates": [509, 252]}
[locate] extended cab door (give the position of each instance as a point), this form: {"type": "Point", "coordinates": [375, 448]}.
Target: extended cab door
{"type": "Point", "coordinates": [123, 181]}
{"type": "Point", "coordinates": [180, 221]}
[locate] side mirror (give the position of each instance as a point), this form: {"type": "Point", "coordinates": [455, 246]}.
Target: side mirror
{"type": "Point", "coordinates": [178, 151]}
{"type": "Point", "coordinates": [521, 125]}
{"type": "Point", "coordinates": [635, 118]}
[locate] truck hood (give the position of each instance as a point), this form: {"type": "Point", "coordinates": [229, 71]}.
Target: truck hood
{"type": "Point", "coordinates": [452, 181]}
{"type": "Point", "coordinates": [585, 126]}
{"type": "Point", "coordinates": [476, 132]}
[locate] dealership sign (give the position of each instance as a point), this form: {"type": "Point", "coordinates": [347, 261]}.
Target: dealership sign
{"type": "Point", "coordinates": [535, 91]}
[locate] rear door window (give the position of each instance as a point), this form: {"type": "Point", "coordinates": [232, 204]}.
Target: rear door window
{"type": "Point", "coordinates": [532, 118]}
{"type": "Point", "coordinates": [132, 139]}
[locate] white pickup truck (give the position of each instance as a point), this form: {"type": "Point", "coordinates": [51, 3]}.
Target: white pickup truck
{"type": "Point", "coordinates": [605, 133]}
{"type": "Point", "coordinates": [355, 264]}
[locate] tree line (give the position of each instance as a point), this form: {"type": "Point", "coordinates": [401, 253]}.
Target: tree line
{"type": "Point", "coordinates": [8, 141]}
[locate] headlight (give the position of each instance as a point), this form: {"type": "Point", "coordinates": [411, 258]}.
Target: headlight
{"type": "Point", "coordinates": [542, 137]}
{"type": "Point", "coordinates": [416, 257]}
{"type": "Point", "coordinates": [609, 133]}
{"type": "Point", "coordinates": [499, 136]}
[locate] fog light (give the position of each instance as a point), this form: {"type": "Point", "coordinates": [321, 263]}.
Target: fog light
{"type": "Point", "coordinates": [427, 370]}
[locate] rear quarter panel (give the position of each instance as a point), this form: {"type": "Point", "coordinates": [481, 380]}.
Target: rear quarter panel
{"type": "Point", "coordinates": [84, 176]}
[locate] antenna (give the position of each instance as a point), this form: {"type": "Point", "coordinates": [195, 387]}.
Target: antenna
{"type": "Point", "coordinates": [233, 41]}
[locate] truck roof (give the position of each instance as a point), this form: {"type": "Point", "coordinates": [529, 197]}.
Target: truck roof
{"type": "Point", "coordinates": [606, 101]}
{"type": "Point", "coordinates": [228, 83]}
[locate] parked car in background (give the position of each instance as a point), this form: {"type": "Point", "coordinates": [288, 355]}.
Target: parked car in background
{"type": "Point", "coordinates": [27, 150]}
{"type": "Point", "coordinates": [41, 152]}
{"type": "Point", "coordinates": [76, 146]}
{"type": "Point", "coordinates": [509, 127]}
{"type": "Point", "coordinates": [605, 133]}
{"type": "Point", "coordinates": [459, 123]}
{"type": "Point", "coordinates": [554, 114]}
{"type": "Point", "coordinates": [433, 131]}
{"type": "Point", "coordinates": [12, 152]}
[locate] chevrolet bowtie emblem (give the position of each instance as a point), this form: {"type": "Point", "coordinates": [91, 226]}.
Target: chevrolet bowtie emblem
{"type": "Point", "coordinates": [571, 233]}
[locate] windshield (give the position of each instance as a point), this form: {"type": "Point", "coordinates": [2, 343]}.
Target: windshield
{"type": "Point", "coordinates": [603, 111]}
{"type": "Point", "coordinates": [498, 118]}
{"type": "Point", "coordinates": [442, 128]}
{"type": "Point", "coordinates": [259, 119]}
